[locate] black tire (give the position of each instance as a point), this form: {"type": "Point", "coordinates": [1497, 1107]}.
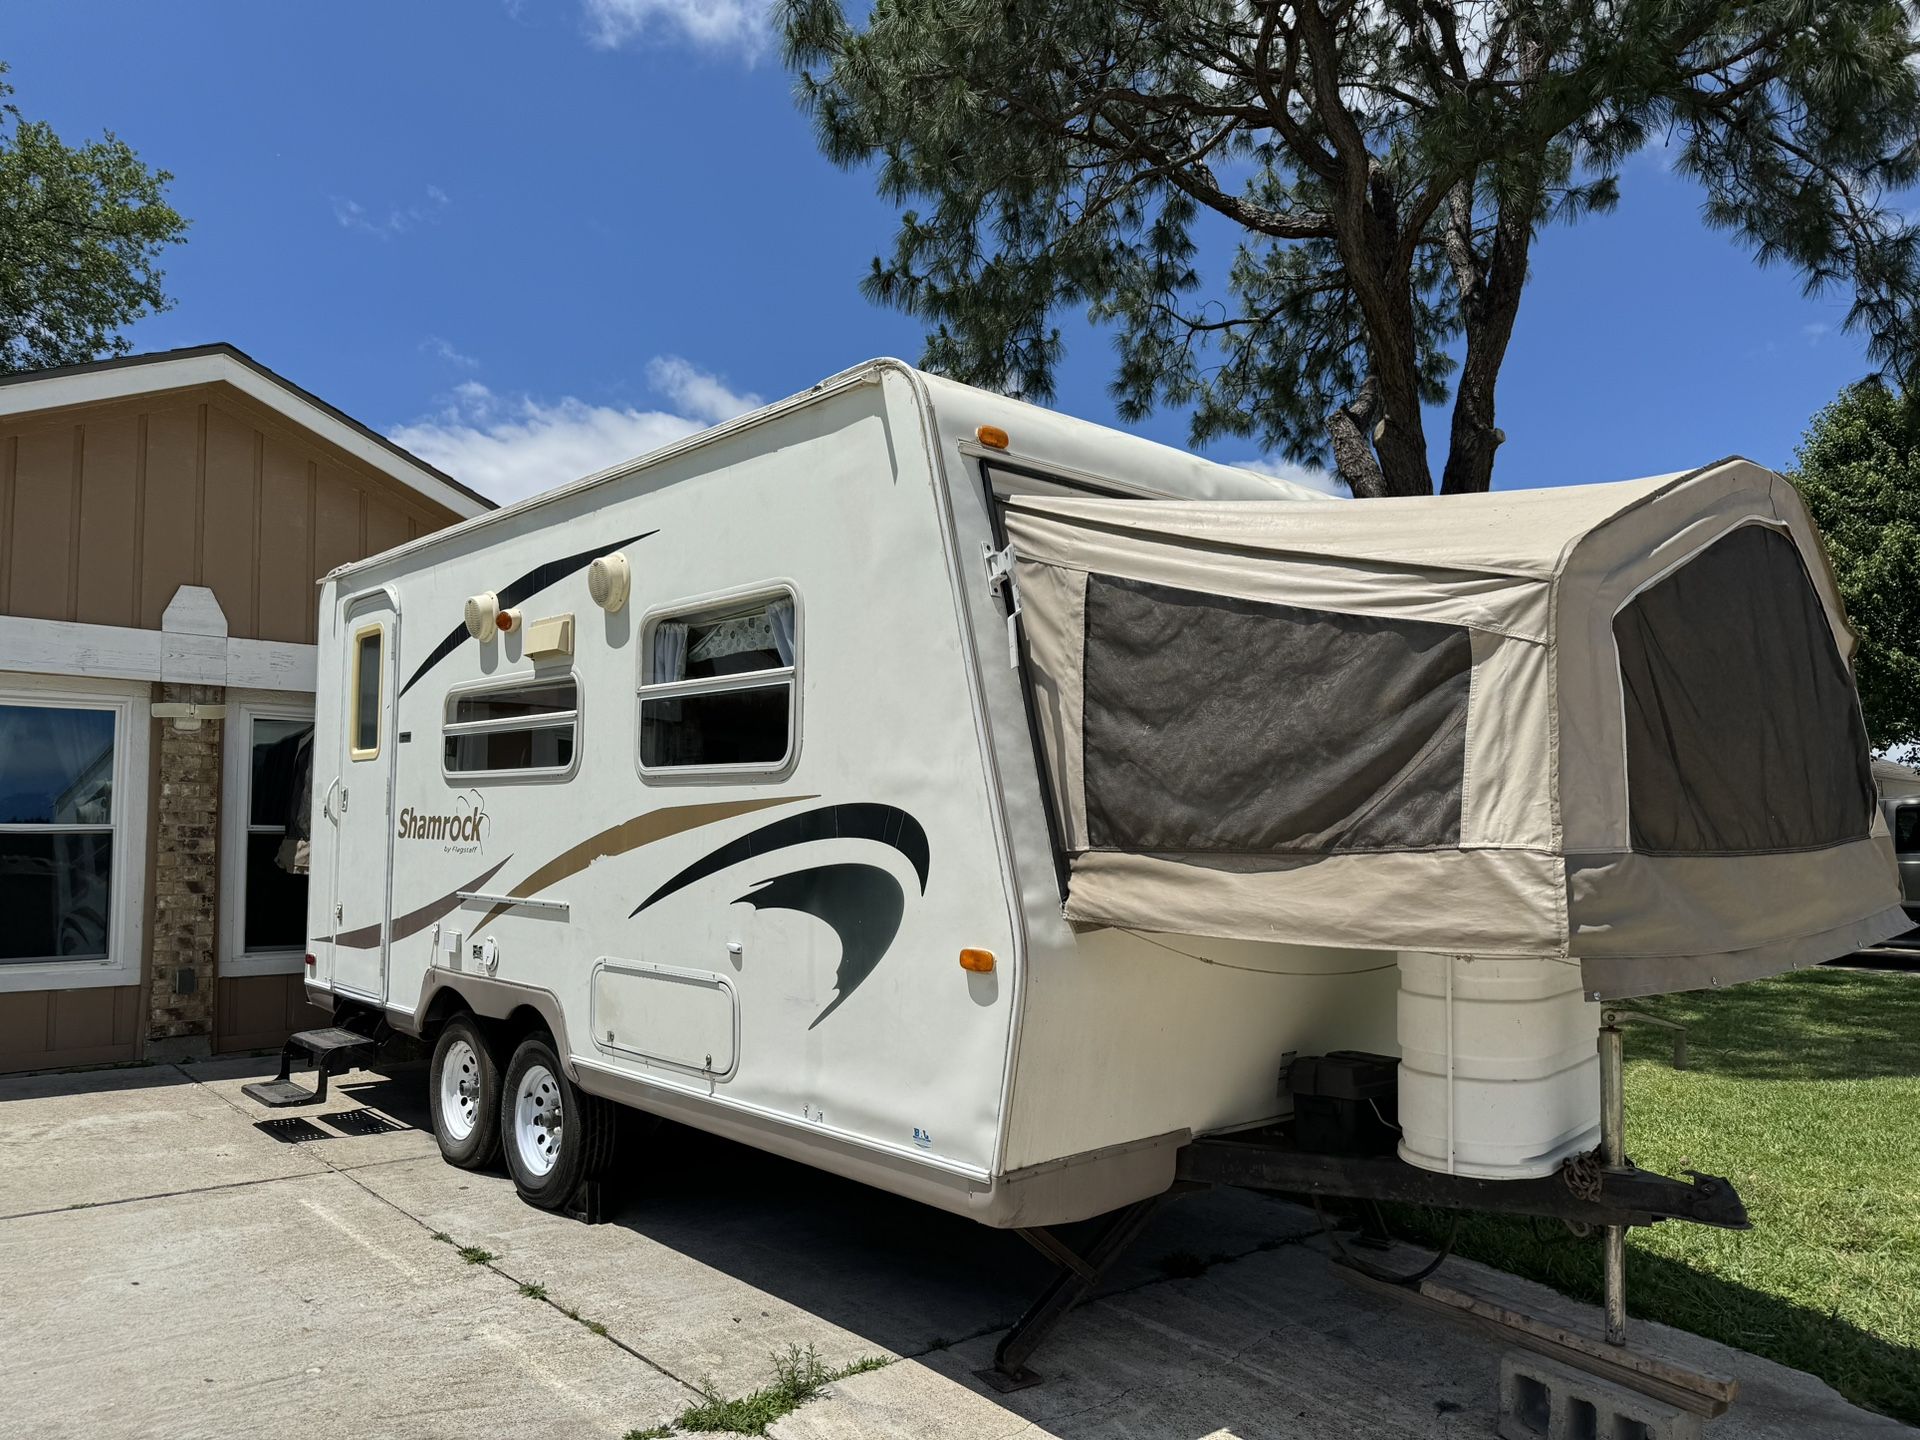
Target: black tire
{"type": "Point", "coordinates": [463, 1043]}
{"type": "Point", "coordinates": [585, 1134]}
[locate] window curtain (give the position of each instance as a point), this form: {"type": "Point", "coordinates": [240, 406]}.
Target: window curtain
{"type": "Point", "coordinates": [667, 663]}
{"type": "Point", "coordinates": [296, 846]}
{"type": "Point", "coordinates": [780, 619]}
{"type": "Point", "coordinates": [669, 660]}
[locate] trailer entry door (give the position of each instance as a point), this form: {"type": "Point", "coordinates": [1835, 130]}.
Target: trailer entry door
{"type": "Point", "coordinates": [360, 809]}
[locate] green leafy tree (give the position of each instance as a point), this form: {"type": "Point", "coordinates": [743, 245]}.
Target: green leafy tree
{"type": "Point", "coordinates": [1859, 470]}
{"type": "Point", "coordinates": [1384, 167]}
{"type": "Point", "coordinates": [80, 229]}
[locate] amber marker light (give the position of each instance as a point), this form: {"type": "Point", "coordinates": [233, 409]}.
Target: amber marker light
{"type": "Point", "coordinates": [994, 438]}
{"type": "Point", "coordinates": [980, 962]}
{"type": "Point", "coordinates": [508, 619]}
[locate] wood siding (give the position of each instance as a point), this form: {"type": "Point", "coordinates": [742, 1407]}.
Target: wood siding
{"type": "Point", "coordinates": [45, 1029]}
{"type": "Point", "coordinates": [106, 511]}
{"type": "Point", "coordinates": [258, 1012]}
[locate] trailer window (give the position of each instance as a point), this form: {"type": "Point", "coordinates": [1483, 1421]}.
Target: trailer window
{"type": "Point", "coordinates": [719, 687]}
{"type": "Point", "coordinates": [367, 645]}
{"type": "Point", "coordinates": [523, 728]}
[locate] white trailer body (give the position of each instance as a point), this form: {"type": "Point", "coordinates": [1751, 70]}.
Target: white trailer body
{"type": "Point", "coordinates": [1057, 1085]}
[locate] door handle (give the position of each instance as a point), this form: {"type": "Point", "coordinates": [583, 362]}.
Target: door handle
{"type": "Point", "coordinates": [326, 801]}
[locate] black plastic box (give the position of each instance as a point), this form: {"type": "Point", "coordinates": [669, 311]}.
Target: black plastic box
{"type": "Point", "coordinates": [1346, 1103]}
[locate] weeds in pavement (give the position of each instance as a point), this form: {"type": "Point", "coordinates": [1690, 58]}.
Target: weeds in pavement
{"type": "Point", "coordinates": [798, 1376]}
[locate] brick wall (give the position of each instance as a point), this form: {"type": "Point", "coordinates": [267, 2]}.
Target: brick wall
{"type": "Point", "coordinates": [186, 898]}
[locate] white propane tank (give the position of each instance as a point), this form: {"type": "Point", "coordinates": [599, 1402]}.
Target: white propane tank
{"type": "Point", "coordinates": [1499, 1065]}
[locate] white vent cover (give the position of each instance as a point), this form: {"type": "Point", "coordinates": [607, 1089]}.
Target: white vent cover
{"type": "Point", "coordinates": [610, 581]}
{"type": "Point", "coordinates": [483, 611]}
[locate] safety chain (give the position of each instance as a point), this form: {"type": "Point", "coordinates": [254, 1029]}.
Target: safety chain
{"type": "Point", "coordinates": [1582, 1174]}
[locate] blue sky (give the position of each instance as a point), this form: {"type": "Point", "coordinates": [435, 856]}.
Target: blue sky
{"type": "Point", "coordinates": [533, 238]}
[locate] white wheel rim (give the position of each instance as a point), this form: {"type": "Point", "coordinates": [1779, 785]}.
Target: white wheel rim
{"type": "Point", "coordinates": [460, 1090]}
{"type": "Point", "coordinates": [537, 1116]}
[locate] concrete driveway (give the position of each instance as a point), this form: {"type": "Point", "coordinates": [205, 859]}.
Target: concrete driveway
{"type": "Point", "coordinates": [170, 1269]}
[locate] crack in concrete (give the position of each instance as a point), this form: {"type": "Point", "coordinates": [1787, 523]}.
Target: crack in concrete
{"type": "Point", "coordinates": [82, 1205]}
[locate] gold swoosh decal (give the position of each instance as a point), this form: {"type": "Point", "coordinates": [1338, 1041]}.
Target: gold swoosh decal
{"type": "Point", "coordinates": [631, 835]}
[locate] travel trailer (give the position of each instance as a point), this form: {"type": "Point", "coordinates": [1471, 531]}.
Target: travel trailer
{"type": "Point", "coordinates": [995, 808]}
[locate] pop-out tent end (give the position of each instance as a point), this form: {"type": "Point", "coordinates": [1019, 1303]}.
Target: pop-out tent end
{"type": "Point", "coordinates": [1607, 724]}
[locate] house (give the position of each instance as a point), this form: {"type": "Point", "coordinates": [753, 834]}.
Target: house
{"type": "Point", "coordinates": [163, 521]}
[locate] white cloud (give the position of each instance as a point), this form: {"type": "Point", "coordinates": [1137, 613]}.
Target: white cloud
{"type": "Point", "coordinates": [704, 396]}
{"type": "Point", "coordinates": [446, 350]}
{"type": "Point", "coordinates": [397, 220]}
{"type": "Point", "coordinates": [1311, 476]}
{"type": "Point", "coordinates": [738, 27]}
{"type": "Point", "coordinates": [511, 446]}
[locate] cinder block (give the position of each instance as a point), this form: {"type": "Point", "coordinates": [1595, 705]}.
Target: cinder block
{"type": "Point", "coordinates": [1541, 1399]}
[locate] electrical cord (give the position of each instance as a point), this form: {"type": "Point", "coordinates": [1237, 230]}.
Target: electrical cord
{"type": "Point", "coordinates": [1253, 969]}
{"type": "Point", "coordinates": [1374, 1272]}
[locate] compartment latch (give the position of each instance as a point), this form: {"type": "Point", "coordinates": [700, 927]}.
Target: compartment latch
{"type": "Point", "coordinates": [1000, 582]}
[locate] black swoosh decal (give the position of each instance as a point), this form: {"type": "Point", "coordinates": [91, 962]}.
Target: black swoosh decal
{"type": "Point", "coordinates": [864, 820]}
{"type": "Point", "coordinates": [863, 904]}
{"type": "Point", "coordinates": [515, 591]}
{"type": "Point", "coordinates": [414, 921]}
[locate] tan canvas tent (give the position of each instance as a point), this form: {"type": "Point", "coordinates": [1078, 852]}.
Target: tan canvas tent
{"type": "Point", "coordinates": [1613, 723]}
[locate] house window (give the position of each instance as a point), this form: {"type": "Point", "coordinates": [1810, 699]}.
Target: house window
{"type": "Point", "coordinates": [267, 794]}
{"type": "Point", "coordinates": [73, 832]}
{"type": "Point", "coordinates": [523, 729]}
{"type": "Point", "coordinates": [367, 647]}
{"type": "Point", "coordinates": [719, 688]}
{"type": "Point", "coordinates": [57, 831]}
{"type": "Point", "coordinates": [276, 886]}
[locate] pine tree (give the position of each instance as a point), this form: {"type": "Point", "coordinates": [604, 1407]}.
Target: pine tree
{"type": "Point", "coordinates": [1386, 168]}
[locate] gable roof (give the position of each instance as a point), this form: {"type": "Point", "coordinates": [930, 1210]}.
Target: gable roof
{"type": "Point", "coordinates": [129, 376]}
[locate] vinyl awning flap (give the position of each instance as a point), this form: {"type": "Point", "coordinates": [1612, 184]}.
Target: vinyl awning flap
{"type": "Point", "coordinates": [1613, 724]}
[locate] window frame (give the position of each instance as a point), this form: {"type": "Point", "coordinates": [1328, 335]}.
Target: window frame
{"type": "Point", "coordinates": [711, 607]}
{"type": "Point", "coordinates": [236, 824]}
{"type": "Point", "coordinates": [132, 841]}
{"type": "Point", "coordinates": [1894, 809]}
{"type": "Point", "coordinates": [517, 680]}
{"type": "Point", "coordinates": [354, 750]}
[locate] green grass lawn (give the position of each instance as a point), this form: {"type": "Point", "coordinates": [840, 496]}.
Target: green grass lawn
{"type": "Point", "coordinates": [1805, 1091]}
